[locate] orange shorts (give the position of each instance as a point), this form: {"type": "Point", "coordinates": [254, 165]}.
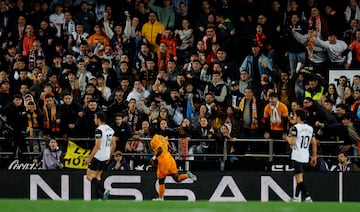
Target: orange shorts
{"type": "Point", "coordinates": [166, 166]}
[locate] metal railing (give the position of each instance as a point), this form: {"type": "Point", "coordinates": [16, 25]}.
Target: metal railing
{"type": "Point", "coordinates": [222, 155]}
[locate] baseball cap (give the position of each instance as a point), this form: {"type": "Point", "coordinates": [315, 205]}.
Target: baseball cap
{"type": "Point", "coordinates": [92, 77]}
{"type": "Point", "coordinates": [234, 83]}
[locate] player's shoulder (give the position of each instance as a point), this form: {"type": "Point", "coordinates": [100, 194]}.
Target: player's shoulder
{"type": "Point", "coordinates": [308, 126]}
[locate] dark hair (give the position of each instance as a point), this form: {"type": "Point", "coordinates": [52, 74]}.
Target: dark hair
{"type": "Point", "coordinates": [100, 115]}
{"type": "Point", "coordinates": [328, 100]}
{"type": "Point", "coordinates": [274, 94]}
{"type": "Point", "coordinates": [94, 100]}
{"type": "Point", "coordinates": [349, 116]}
{"type": "Point", "coordinates": [343, 106]}
{"type": "Point", "coordinates": [309, 99]}
{"type": "Point", "coordinates": [17, 96]}
{"type": "Point", "coordinates": [301, 114]}
{"type": "Point", "coordinates": [335, 95]}
{"type": "Point", "coordinates": [118, 115]}
{"type": "Point", "coordinates": [344, 153]}
{"type": "Point", "coordinates": [250, 88]}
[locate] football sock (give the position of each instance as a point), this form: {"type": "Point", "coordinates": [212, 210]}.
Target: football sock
{"type": "Point", "coordinates": [94, 190]}
{"type": "Point", "coordinates": [99, 188]}
{"type": "Point", "coordinates": [161, 190]}
{"type": "Point", "coordinates": [298, 189]}
{"type": "Point", "coordinates": [305, 191]}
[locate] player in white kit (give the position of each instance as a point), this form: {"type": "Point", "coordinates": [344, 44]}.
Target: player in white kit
{"type": "Point", "coordinates": [100, 154]}
{"type": "Point", "coordinates": [300, 136]}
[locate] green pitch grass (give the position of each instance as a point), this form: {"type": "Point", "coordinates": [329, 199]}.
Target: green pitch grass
{"type": "Point", "coordinates": [12, 205]}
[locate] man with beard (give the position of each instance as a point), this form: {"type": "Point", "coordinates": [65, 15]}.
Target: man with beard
{"type": "Point", "coordinates": [314, 89]}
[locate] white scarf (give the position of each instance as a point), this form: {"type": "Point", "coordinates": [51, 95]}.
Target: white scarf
{"type": "Point", "coordinates": [275, 117]}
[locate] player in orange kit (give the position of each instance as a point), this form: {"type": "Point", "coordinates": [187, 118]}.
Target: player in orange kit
{"type": "Point", "coordinates": [166, 164]}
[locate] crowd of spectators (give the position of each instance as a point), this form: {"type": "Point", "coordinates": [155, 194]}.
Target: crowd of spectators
{"type": "Point", "coordinates": [209, 69]}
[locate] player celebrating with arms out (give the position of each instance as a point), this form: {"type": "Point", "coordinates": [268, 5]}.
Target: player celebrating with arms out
{"type": "Point", "coordinates": [100, 154]}
{"type": "Point", "coordinates": [166, 164]}
{"type": "Point", "coordinates": [300, 136]}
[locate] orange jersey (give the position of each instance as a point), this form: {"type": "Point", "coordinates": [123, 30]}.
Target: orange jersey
{"type": "Point", "coordinates": [159, 141]}
{"type": "Point", "coordinates": [355, 46]}
{"type": "Point", "coordinates": [166, 162]}
{"type": "Point", "coordinates": [282, 111]}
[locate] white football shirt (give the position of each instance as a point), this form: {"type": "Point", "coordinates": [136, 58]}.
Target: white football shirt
{"type": "Point", "coordinates": [105, 133]}
{"type": "Point", "coordinates": [303, 134]}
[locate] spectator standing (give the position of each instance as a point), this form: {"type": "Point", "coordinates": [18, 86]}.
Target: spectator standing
{"type": "Point", "coordinates": [316, 55]}
{"type": "Point", "coordinates": [6, 20]}
{"type": "Point", "coordinates": [182, 14]}
{"type": "Point", "coordinates": [122, 130]}
{"type": "Point", "coordinates": [68, 118]}
{"type": "Point", "coordinates": [165, 13]}
{"type": "Point", "coordinates": [98, 38]}
{"type": "Point", "coordinates": [314, 89]}
{"type": "Point", "coordinates": [250, 115]}
{"type": "Point", "coordinates": [85, 17]}
{"type": "Point", "coordinates": [86, 123]}
{"type": "Point", "coordinates": [335, 47]}
{"type": "Point", "coordinates": [117, 105]}
{"type": "Point", "coordinates": [356, 105]}
{"type": "Point", "coordinates": [139, 93]}
{"type": "Point", "coordinates": [276, 120]}
{"type": "Point", "coordinates": [68, 27]}
{"type": "Point", "coordinates": [175, 107]}
{"type": "Point", "coordinates": [131, 24]}
{"type": "Point", "coordinates": [350, 135]}
{"type": "Point", "coordinates": [349, 33]}
{"type": "Point", "coordinates": [132, 115]}
{"type": "Point", "coordinates": [352, 11]}
{"type": "Point", "coordinates": [256, 64]}
{"type": "Point", "coordinates": [77, 37]}
{"type": "Point", "coordinates": [294, 50]}
{"type": "Point", "coordinates": [218, 88]}
{"type": "Point", "coordinates": [318, 22]}
{"type": "Point", "coordinates": [50, 123]}
{"type": "Point", "coordinates": [14, 115]}
{"type": "Point", "coordinates": [57, 18]}
{"type": "Point", "coordinates": [18, 30]}
{"type": "Point", "coordinates": [26, 42]}
{"type": "Point", "coordinates": [151, 29]}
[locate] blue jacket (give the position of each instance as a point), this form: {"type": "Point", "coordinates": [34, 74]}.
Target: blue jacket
{"type": "Point", "coordinates": [248, 65]}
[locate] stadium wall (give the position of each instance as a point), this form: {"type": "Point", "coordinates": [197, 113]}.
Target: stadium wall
{"type": "Point", "coordinates": [211, 185]}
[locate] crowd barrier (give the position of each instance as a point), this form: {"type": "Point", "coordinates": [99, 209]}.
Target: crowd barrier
{"type": "Point", "coordinates": [36, 145]}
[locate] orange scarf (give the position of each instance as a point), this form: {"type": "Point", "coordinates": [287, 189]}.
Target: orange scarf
{"type": "Point", "coordinates": [32, 122]}
{"type": "Point", "coordinates": [50, 122]}
{"type": "Point", "coordinates": [310, 47]}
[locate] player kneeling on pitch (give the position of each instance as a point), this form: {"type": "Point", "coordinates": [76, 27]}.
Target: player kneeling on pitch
{"type": "Point", "coordinates": [300, 136]}
{"type": "Point", "coordinates": [166, 164]}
